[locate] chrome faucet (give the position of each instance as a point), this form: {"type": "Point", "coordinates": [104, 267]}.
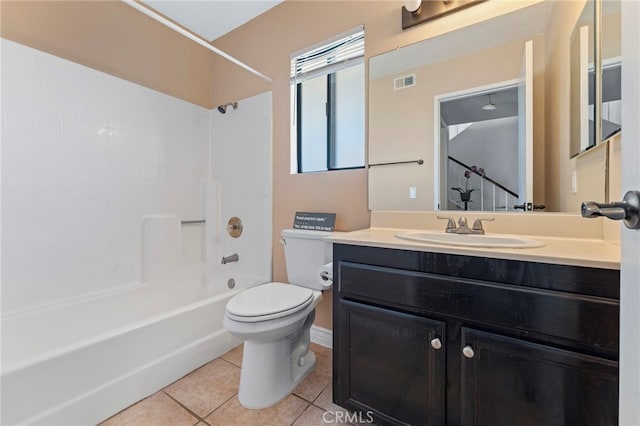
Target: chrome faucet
{"type": "Point", "coordinates": [228, 259]}
{"type": "Point", "coordinates": [451, 225]}
{"type": "Point", "coordinates": [477, 225]}
{"type": "Point", "coordinates": [462, 227]}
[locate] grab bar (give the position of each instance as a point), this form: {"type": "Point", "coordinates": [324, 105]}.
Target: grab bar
{"type": "Point", "coordinates": [419, 161]}
{"type": "Point", "coordinates": [192, 222]}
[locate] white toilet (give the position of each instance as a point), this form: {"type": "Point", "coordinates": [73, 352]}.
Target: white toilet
{"type": "Point", "coordinates": [275, 319]}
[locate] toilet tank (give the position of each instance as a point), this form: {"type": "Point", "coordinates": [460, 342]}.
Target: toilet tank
{"type": "Point", "coordinates": [305, 251]}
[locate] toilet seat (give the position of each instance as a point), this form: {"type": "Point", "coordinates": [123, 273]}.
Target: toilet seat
{"type": "Point", "coordinates": [268, 301]}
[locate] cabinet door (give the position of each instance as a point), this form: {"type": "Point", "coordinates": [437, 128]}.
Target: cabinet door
{"type": "Point", "coordinates": [390, 361]}
{"type": "Point", "coordinates": [508, 381]}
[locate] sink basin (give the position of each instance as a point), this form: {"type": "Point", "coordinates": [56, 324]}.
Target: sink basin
{"type": "Point", "coordinates": [470, 240]}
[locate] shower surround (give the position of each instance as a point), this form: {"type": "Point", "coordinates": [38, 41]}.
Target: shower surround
{"type": "Point", "coordinates": [85, 158]}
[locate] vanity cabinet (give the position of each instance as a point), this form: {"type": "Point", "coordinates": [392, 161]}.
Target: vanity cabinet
{"type": "Point", "coordinates": [391, 364]}
{"type": "Point", "coordinates": [432, 339]}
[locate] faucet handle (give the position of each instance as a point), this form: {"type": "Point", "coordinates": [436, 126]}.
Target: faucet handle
{"type": "Point", "coordinates": [477, 225]}
{"type": "Point", "coordinates": [451, 224]}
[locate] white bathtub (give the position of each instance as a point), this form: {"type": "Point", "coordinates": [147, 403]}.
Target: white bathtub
{"type": "Point", "coordinates": [82, 361]}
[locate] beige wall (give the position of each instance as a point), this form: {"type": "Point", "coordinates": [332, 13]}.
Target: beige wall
{"type": "Point", "coordinates": [559, 196]}
{"type": "Point", "coordinates": [112, 37]}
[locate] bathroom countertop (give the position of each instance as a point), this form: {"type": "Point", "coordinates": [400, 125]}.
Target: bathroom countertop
{"type": "Point", "coordinates": [595, 253]}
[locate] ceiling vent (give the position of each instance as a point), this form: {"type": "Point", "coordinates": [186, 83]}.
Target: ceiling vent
{"type": "Point", "coordinates": [404, 82]}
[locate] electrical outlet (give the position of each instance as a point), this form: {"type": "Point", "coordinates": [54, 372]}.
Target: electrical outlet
{"type": "Point", "coordinates": [574, 182]}
{"type": "Point", "coordinates": [412, 192]}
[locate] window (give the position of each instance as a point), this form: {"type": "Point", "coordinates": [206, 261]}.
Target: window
{"type": "Point", "coordinates": [327, 93]}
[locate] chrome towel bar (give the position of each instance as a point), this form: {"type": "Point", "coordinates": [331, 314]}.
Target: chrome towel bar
{"type": "Point", "coordinates": [419, 161]}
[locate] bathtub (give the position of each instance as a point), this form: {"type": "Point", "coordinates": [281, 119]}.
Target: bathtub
{"type": "Point", "coordinates": [81, 361]}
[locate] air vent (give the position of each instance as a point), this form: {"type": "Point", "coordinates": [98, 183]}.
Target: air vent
{"type": "Point", "coordinates": [404, 82]}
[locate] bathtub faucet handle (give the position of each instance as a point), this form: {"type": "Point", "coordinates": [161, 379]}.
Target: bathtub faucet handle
{"type": "Point", "coordinates": [228, 259]}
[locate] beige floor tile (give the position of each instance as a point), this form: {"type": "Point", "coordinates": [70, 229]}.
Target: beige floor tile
{"type": "Point", "coordinates": [325, 400]}
{"type": "Point", "coordinates": [206, 388]}
{"type": "Point", "coordinates": [283, 413]}
{"type": "Point", "coordinates": [320, 377]}
{"type": "Point", "coordinates": [158, 409]}
{"type": "Point", "coordinates": [320, 349]}
{"type": "Point", "coordinates": [312, 416]}
{"type": "Point", "coordinates": [234, 356]}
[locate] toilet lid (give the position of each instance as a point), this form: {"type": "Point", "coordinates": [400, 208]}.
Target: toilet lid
{"type": "Point", "coordinates": [269, 299]}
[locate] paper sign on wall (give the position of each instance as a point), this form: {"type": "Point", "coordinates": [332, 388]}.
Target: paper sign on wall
{"type": "Point", "coordinates": [315, 221]}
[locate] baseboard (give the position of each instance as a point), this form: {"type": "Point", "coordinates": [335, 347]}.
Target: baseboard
{"type": "Point", "coordinates": [322, 336]}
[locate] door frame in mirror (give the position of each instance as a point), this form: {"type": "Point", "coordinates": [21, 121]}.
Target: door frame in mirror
{"type": "Point", "coordinates": [438, 161]}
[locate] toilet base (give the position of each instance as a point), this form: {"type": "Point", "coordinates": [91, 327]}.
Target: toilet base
{"type": "Point", "coordinates": [276, 356]}
{"type": "Point", "coordinates": [270, 372]}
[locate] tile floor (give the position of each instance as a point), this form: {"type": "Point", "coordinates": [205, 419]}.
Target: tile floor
{"type": "Point", "coordinates": [193, 400]}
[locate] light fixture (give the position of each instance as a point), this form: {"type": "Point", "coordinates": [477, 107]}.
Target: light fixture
{"type": "Point", "coordinates": [416, 12]}
{"type": "Point", "coordinates": [413, 6]}
{"type": "Point", "coordinates": [490, 106]}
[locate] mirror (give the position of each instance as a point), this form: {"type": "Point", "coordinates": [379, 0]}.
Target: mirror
{"type": "Point", "coordinates": [583, 81]}
{"type": "Point", "coordinates": [587, 84]}
{"type": "Point", "coordinates": [610, 42]}
{"type": "Point", "coordinates": [427, 103]}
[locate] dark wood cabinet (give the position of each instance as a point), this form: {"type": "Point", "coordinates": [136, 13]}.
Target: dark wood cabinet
{"type": "Point", "coordinates": [508, 381]}
{"type": "Point", "coordinates": [373, 342]}
{"type": "Point", "coordinates": [435, 339]}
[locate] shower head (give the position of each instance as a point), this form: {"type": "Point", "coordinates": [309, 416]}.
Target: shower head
{"type": "Point", "coordinates": [222, 109]}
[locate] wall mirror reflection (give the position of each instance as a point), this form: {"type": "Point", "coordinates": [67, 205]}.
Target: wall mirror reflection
{"type": "Point", "coordinates": [480, 146]}
{"type": "Point", "coordinates": [442, 113]}
{"type": "Point", "coordinates": [583, 81]}
{"type": "Point", "coordinates": [611, 110]}
{"type": "Point", "coordinates": [521, 60]}
{"type": "Point", "coordinates": [596, 74]}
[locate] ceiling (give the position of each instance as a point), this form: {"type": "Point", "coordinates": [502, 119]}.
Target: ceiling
{"type": "Point", "coordinates": [211, 19]}
{"type": "Point", "coordinates": [468, 109]}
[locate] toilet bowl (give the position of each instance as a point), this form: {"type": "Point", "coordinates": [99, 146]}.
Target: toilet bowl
{"type": "Point", "coordinates": [274, 320]}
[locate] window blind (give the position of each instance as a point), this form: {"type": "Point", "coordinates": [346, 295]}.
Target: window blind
{"type": "Point", "coordinates": [341, 53]}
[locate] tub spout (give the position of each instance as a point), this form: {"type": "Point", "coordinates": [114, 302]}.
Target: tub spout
{"type": "Point", "coordinates": [228, 259]}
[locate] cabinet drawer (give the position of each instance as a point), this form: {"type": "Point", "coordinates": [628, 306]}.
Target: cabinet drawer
{"type": "Point", "coordinates": [590, 320]}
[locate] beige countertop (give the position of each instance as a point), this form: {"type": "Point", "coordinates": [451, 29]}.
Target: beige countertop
{"type": "Point", "coordinates": [589, 252]}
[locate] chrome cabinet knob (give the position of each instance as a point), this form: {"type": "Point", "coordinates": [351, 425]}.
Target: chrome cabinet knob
{"type": "Point", "coordinates": [436, 343]}
{"type": "Point", "coordinates": [467, 351]}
